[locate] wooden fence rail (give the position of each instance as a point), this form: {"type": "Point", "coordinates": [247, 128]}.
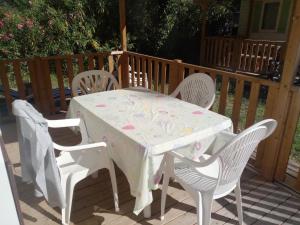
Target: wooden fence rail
{"type": "Point", "coordinates": [46, 81]}
{"type": "Point", "coordinates": [245, 99]}
{"type": "Point", "coordinates": [242, 55]}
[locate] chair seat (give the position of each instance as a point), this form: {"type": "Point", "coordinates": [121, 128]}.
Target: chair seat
{"type": "Point", "coordinates": [201, 179]}
{"type": "Point", "coordinates": [67, 163]}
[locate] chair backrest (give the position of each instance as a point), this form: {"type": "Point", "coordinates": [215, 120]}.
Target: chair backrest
{"type": "Point", "coordinates": [198, 89]}
{"type": "Point", "coordinates": [92, 81]}
{"type": "Point", "coordinates": [235, 154]}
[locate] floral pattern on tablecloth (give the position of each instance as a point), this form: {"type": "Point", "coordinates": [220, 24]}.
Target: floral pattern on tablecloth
{"type": "Point", "coordinates": [140, 126]}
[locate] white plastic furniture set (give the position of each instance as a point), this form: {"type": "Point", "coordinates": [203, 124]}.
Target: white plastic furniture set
{"type": "Point", "coordinates": [161, 128]}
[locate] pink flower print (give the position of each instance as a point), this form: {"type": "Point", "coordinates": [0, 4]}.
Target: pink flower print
{"type": "Point", "coordinates": [128, 127]}
{"type": "Point", "coordinates": [198, 146]}
{"type": "Point", "coordinates": [1, 23]}
{"type": "Point", "coordinates": [20, 26]}
{"type": "Point", "coordinates": [101, 105]}
{"type": "Point", "coordinates": [198, 112]}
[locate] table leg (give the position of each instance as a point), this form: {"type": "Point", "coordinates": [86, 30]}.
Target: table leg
{"type": "Point", "coordinates": [147, 211]}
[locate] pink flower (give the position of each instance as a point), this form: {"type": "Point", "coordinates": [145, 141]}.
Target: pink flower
{"type": "Point", "coordinates": [6, 37]}
{"type": "Point", "coordinates": [1, 23]}
{"type": "Point", "coordinates": [29, 23]}
{"type": "Point", "coordinates": [20, 26]}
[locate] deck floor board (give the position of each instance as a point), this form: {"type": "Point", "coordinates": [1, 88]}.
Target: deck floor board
{"type": "Point", "coordinates": [264, 203]}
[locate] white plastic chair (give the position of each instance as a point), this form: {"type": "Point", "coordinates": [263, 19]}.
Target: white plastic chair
{"type": "Point", "coordinates": [92, 81]}
{"type": "Point", "coordinates": [217, 175]}
{"type": "Point", "coordinates": [198, 89]}
{"type": "Point", "coordinates": [78, 162]}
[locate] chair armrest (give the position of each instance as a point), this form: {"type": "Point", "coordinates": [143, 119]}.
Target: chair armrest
{"type": "Point", "coordinates": [221, 140]}
{"type": "Point", "coordinates": [193, 163]}
{"type": "Point", "coordinates": [63, 123]}
{"type": "Point", "coordinates": [78, 147]}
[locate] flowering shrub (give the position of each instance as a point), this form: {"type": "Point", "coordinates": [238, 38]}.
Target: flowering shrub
{"type": "Point", "coordinates": [44, 27]}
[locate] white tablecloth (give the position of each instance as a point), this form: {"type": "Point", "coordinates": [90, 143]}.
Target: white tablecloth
{"type": "Point", "coordinates": [139, 127]}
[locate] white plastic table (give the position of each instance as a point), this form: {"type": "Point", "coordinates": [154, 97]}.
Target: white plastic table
{"type": "Point", "coordinates": [139, 127]}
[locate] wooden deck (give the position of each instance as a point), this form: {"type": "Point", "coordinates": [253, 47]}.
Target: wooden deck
{"type": "Point", "coordinates": [264, 203]}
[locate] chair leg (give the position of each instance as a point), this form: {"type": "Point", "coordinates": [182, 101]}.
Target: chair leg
{"type": "Point", "coordinates": [66, 212]}
{"type": "Point", "coordinates": [238, 196]}
{"type": "Point", "coordinates": [69, 185]}
{"type": "Point", "coordinates": [164, 194]}
{"type": "Point", "coordinates": [112, 174]}
{"type": "Point", "coordinates": [204, 204]}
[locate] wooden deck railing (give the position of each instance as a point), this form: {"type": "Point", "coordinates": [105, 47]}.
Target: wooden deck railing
{"type": "Point", "coordinates": [245, 99]}
{"type": "Point", "coordinates": [242, 55]}
{"type": "Point", "coordinates": [47, 80]}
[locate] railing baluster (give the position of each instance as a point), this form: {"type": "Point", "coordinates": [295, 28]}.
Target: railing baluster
{"type": "Point", "coordinates": [253, 102]}
{"type": "Point", "coordinates": [34, 82]}
{"type": "Point", "coordinates": [100, 62]}
{"type": "Point", "coordinates": [163, 77]}
{"type": "Point", "coordinates": [61, 86]}
{"type": "Point", "coordinates": [5, 84]}
{"type": "Point", "coordinates": [133, 77]}
{"type": "Point", "coordinates": [156, 75]}
{"type": "Point", "coordinates": [91, 64]}
{"type": "Point", "coordinates": [239, 89]}
{"type": "Point", "coordinates": [80, 63]}
{"type": "Point", "coordinates": [138, 70]}
{"type": "Point", "coordinates": [70, 71]}
{"type": "Point", "coordinates": [48, 85]}
{"type": "Point", "coordinates": [223, 95]}
{"type": "Point", "coordinates": [19, 81]}
{"type": "Point", "coordinates": [149, 74]}
{"type": "Point", "coordinates": [111, 64]}
{"type": "Point", "coordinates": [144, 64]}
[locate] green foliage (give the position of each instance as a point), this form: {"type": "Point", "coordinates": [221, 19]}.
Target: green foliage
{"type": "Point", "coordinates": [167, 28]}
{"type": "Point", "coordinates": [51, 27]}
{"type": "Point", "coordinates": [223, 17]}
{"type": "Point", "coordinates": [44, 27]}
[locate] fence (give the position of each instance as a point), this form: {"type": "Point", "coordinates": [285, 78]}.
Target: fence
{"type": "Point", "coordinates": [243, 98]}
{"type": "Point", "coordinates": [243, 55]}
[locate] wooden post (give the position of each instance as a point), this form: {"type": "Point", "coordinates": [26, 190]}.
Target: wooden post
{"type": "Point", "coordinates": [236, 54]}
{"type": "Point", "coordinates": [176, 75]}
{"type": "Point", "coordinates": [270, 158]}
{"type": "Point", "coordinates": [124, 72]}
{"type": "Point", "coordinates": [122, 13]}
{"type": "Point", "coordinates": [249, 22]}
{"type": "Point", "coordinates": [204, 7]}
